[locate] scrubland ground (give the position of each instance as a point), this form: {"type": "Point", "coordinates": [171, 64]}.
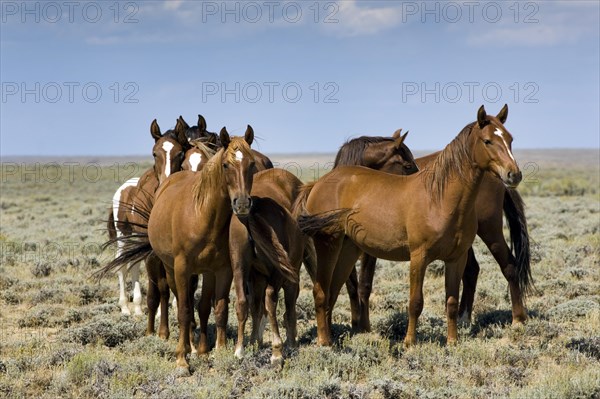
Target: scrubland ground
{"type": "Point", "coordinates": [62, 334]}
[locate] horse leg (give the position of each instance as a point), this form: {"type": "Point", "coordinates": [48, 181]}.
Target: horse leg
{"type": "Point", "coordinates": [454, 271]}
{"type": "Point", "coordinates": [184, 309]}
{"type": "Point", "coordinates": [418, 265]}
{"type": "Point", "coordinates": [271, 299]}
{"type": "Point", "coordinates": [499, 248]}
{"type": "Point", "coordinates": [153, 294]}
{"type": "Point", "coordinates": [191, 295]}
{"type": "Point", "coordinates": [352, 288]}
{"type": "Point", "coordinates": [327, 249]}
{"type": "Point", "coordinates": [238, 260]}
{"type": "Point", "coordinates": [365, 286]}
{"type": "Point", "coordinates": [291, 292]}
{"type": "Point", "coordinates": [208, 290]}
{"type": "Point", "coordinates": [223, 286]}
{"type": "Point", "coordinates": [137, 291]}
{"type": "Point", "coordinates": [123, 298]}
{"type": "Point", "coordinates": [469, 280]}
{"type": "Point", "coordinates": [347, 257]}
{"type": "Point", "coordinates": [257, 308]}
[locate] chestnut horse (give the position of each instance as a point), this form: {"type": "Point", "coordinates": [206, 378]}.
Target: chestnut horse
{"type": "Point", "coordinates": [188, 230]}
{"type": "Point", "coordinates": [493, 198]}
{"type": "Point", "coordinates": [273, 193]}
{"type": "Point", "coordinates": [135, 197]}
{"type": "Point", "coordinates": [203, 145]}
{"type": "Point", "coordinates": [421, 217]}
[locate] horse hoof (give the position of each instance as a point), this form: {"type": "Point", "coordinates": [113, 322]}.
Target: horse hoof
{"type": "Point", "coordinates": [125, 310]}
{"type": "Point", "coordinates": [277, 361]}
{"type": "Point", "coordinates": [239, 353]}
{"type": "Point", "coordinates": [138, 312]}
{"type": "Point", "coordinates": [182, 371]}
{"type": "Point", "coordinates": [409, 342]}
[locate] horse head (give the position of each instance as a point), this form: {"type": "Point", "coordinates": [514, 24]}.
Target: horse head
{"type": "Point", "coordinates": [493, 147]}
{"type": "Point", "coordinates": [238, 167]}
{"type": "Point", "coordinates": [168, 150]}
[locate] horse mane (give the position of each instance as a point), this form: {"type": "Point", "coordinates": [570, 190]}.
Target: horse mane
{"type": "Point", "coordinates": [194, 133]}
{"type": "Point", "coordinates": [210, 179]}
{"type": "Point", "coordinates": [352, 151]}
{"type": "Point", "coordinates": [205, 150]}
{"type": "Point", "coordinates": [449, 164]}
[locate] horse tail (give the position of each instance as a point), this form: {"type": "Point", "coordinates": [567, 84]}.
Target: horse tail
{"type": "Point", "coordinates": [110, 225]}
{"type": "Point", "coordinates": [266, 240]}
{"type": "Point", "coordinates": [514, 210]}
{"type": "Point", "coordinates": [299, 205]}
{"type": "Point", "coordinates": [136, 247]}
{"type": "Point", "coordinates": [329, 222]}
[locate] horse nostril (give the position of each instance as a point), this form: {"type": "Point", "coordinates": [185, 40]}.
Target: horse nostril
{"type": "Point", "coordinates": [235, 200]}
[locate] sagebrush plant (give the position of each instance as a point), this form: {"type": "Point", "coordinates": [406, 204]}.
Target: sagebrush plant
{"type": "Point", "coordinates": [63, 335]}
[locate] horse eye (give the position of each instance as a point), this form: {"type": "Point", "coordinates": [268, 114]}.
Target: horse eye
{"type": "Point", "coordinates": [487, 142]}
{"type": "Point", "coordinates": [225, 166]}
{"type": "Point", "coordinates": [154, 154]}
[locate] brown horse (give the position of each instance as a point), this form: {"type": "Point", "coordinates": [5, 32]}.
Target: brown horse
{"type": "Point", "coordinates": [188, 230]}
{"type": "Point", "coordinates": [493, 198]}
{"type": "Point", "coordinates": [135, 196]}
{"type": "Point", "coordinates": [431, 213]}
{"type": "Point", "coordinates": [270, 221]}
{"type": "Point", "coordinates": [203, 143]}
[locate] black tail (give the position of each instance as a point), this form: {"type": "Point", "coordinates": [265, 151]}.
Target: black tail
{"type": "Point", "coordinates": [514, 210]}
{"type": "Point", "coordinates": [266, 240]}
{"type": "Point", "coordinates": [136, 246]}
{"type": "Point", "coordinates": [329, 222]}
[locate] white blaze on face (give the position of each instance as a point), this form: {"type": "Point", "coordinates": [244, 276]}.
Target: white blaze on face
{"type": "Point", "coordinates": [498, 133]}
{"type": "Point", "coordinates": [239, 156]}
{"type": "Point", "coordinates": [168, 146]}
{"type": "Point", "coordinates": [195, 160]}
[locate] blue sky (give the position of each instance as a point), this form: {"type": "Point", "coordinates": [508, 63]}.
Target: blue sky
{"type": "Point", "coordinates": [87, 78]}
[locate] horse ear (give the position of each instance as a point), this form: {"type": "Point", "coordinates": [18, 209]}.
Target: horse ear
{"type": "Point", "coordinates": [482, 117]}
{"type": "Point", "coordinates": [503, 114]}
{"type": "Point", "coordinates": [201, 123]}
{"type": "Point", "coordinates": [155, 130]}
{"type": "Point", "coordinates": [249, 135]}
{"type": "Point", "coordinates": [398, 142]}
{"type": "Point", "coordinates": [183, 123]}
{"type": "Point", "coordinates": [224, 136]}
{"type": "Point", "coordinates": [397, 134]}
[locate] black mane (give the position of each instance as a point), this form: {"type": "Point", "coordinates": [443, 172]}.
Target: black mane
{"type": "Point", "coordinates": [351, 152]}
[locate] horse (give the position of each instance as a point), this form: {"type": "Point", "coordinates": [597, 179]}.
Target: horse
{"type": "Point", "coordinates": [188, 229]}
{"type": "Point", "coordinates": [273, 193]}
{"type": "Point", "coordinates": [135, 196]}
{"type": "Point", "coordinates": [493, 198]}
{"type": "Point", "coordinates": [199, 132]}
{"type": "Point", "coordinates": [431, 213]}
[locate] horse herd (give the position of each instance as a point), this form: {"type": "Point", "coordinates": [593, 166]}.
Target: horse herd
{"type": "Point", "coordinates": [212, 206]}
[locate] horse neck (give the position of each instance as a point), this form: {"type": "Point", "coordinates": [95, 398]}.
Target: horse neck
{"type": "Point", "coordinates": [453, 177]}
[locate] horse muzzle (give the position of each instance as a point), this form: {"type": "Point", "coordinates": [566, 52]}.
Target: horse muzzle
{"type": "Point", "coordinates": [241, 205]}
{"type": "Point", "coordinates": [512, 179]}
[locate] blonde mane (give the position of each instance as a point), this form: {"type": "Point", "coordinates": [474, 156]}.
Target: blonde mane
{"type": "Point", "coordinates": [210, 179]}
{"type": "Point", "coordinates": [205, 150]}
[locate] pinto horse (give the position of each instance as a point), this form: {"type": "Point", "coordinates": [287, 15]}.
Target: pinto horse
{"type": "Point", "coordinates": [188, 230]}
{"type": "Point", "coordinates": [421, 217]}
{"type": "Point", "coordinates": [493, 198]}
{"type": "Point", "coordinates": [270, 221]}
{"type": "Point", "coordinates": [135, 197]}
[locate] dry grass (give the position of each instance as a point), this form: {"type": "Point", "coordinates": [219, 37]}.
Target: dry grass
{"type": "Point", "coordinates": [62, 334]}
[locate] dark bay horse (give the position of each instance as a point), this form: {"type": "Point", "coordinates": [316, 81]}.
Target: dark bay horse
{"type": "Point", "coordinates": [135, 196]}
{"type": "Point", "coordinates": [271, 221]}
{"type": "Point", "coordinates": [421, 217]}
{"type": "Point", "coordinates": [493, 198]}
{"type": "Point", "coordinates": [188, 230]}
